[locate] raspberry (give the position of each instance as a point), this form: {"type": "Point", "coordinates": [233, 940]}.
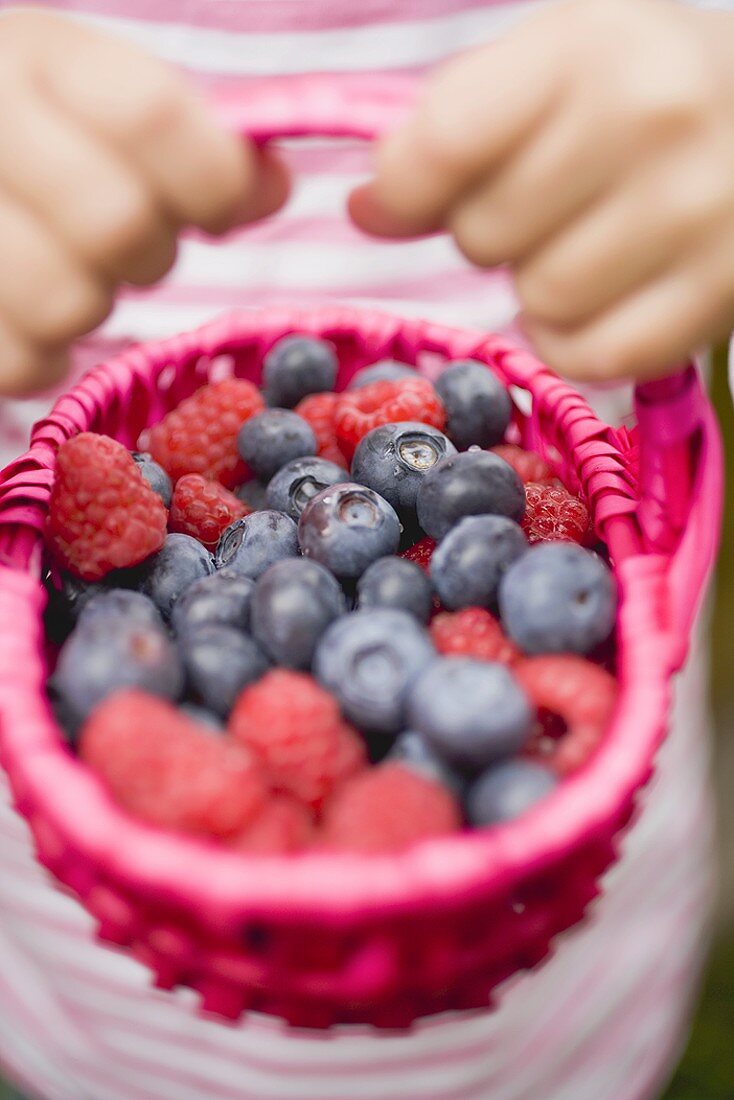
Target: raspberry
{"type": "Point", "coordinates": [386, 809]}
{"type": "Point", "coordinates": [284, 825]}
{"type": "Point", "coordinates": [575, 700]}
{"type": "Point", "coordinates": [168, 770]}
{"type": "Point", "coordinates": [318, 410]}
{"type": "Point", "coordinates": [473, 632]}
{"type": "Point", "coordinates": [200, 435]}
{"type": "Point", "coordinates": [204, 509]}
{"type": "Point", "coordinates": [103, 514]}
{"type": "Point", "coordinates": [526, 464]}
{"type": "Point", "coordinates": [421, 552]}
{"type": "Point", "coordinates": [552, 514]}
{"type": "Point", "coordinates": [359, 411]}
{"type": "Point", "coordinates": [295, 729]}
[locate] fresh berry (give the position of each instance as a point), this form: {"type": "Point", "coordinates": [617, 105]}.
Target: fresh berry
{"type": "Point", "coordinates": [200, 435]}
{"type": "Point", "coordinates": [579, 694]}
{"type": "Point", "coordinates": [368, 660]}
{"type": "Point", "coordinates": [75, 593]}
{"type": "Point", "coordinates": [221, 599]}
{"type": "Point", "coordinates": [506, 791]}
{"type": "Point", "coordinates": [253, 544]}
{"type": "Point", "coordinates": [387, 370]}
{"type": "Point", "coordinates": [293, 727]}
{"type": "Point", "coordinates": [274, 437]}
{"type": "Point", "coordinates": [299, 481]}
{"type": "Point", "coordinates": [293, 603]}
{"type": "Point", "coordinates": [413, 751]}
{"type": "Point", "coordinates": [165, 769]}
{"type": "Point", "coordinates": [471, 712]}
{"type": "Point", "coordinates": [473, 632]}
{"type": "Point", "coordinates": [253, 493]}
{"type": "Point", "coordinates": [398, 583]}
{"type": "Point", "coordinates": [393, 459]}
{"type": "Point", "coordinates": [558, 598]}
{"type": "Point", "coordinates": [469, 563]}
{"type": "Point", "coordinates": [282, 827]}
{"type": "Point", "coordinates": [297, 366]}
{"type": "Point", "coordinates": [347, 527]}
{"type": "Point", "coordinates": [421, 552]}
{"type": "Point", "coordinates": [527, 464]}
{"type": "Point", "coordinates": [478, 406]}
{"type": "Point", "coordinates": [318, 410]}
{"type": "Point", "coordinates": [387, 809]}
{"type": "Point", "coordinates": [119, 604]}
{"type": "Point", "coordinates": [167, 575]}
{"type": "Point", "coordinates": [472, 483]}
{"type": "Point", "coordinates": [359, 411]}
{"type": "Point", "coordinates": [203, 509]}
{"type": "Point", "coordinates": [103, 514]}
{"type": "Point", "coordinates": [220, 661]}
{"type": "Point", "coordinates": [553, 514]}
{"type": "Point", "coordinates": [155, 475]}
{"type": "Point", "coordinates": [204, 718]}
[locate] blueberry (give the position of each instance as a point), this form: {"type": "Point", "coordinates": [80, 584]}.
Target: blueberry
{"type": "Point", "coordinates": [253, 493]}
{"type": "Point", "coordinates": [468, 565]}
{"type": "Point", "coordinates": [250, 545]}
{"type": "Point", "coordinates": [472, 483]}
{"type": "Point", "coordinates": [387, 370]}
{"type": "Point", "coordinates": [397, 583]}
{"type": "Point", "coordinates": [119, 603]}
{"type": "Point", "coordinates": [293, 603]}
{"type": "Point", "coordinates": [394, 459]}
{"type": "Point", "coordinates": [155, 475]}
{"type": "Point", "coordinates": [65, 604]}
{"type": "Point", "coordinates": [346, 527]}
{"type": "Point", "coordinates": [478, 407]}
{"type": "Point", "coordinates": [272, 438]}
{"type": "Point", "coordinates": [297, 366]}
{"type": "Point", "coordinates": [368, 661]}
{"type": "Point", "coordinates": [76, 593]}
{"type": "Point", "coordinates": [167, 574]}
{"type": "Point", "coordinates": [298, 481]}
{"type": "Point", "coordinates": [220, 661]}
{"type": "Point", "coordinates": [506, 791]}
{"type": "Point", "coordinates": [222, 598]}
{"type": "Point", "coordinates": [412, 749]}
{"type": "Point", "coordinates": [202, 717]}
{"type": "Point", "coordinates": [471, 712]}
{"type": "Point", "coordinates": [558, 598]}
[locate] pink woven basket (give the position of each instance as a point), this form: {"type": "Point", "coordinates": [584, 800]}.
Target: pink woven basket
{"type": "Point", "coordinates": [323, 938]}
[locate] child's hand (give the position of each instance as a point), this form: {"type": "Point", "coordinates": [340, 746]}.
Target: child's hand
{"type": "Point", "coordinates": [593, 151]}
{"type": "Point", "coordinates": [104, 156]}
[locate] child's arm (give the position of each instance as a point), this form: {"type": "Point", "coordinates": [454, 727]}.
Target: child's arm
{"type": "Point", "coordinates": [592, 150]}
{"type": "Point", "coordinates": [105, 155]}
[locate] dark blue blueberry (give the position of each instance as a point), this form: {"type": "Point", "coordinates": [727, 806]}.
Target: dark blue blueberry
{"type": "Point", "coordinates": [202, 717]}
{"type": "Point", "coordinates": [558, 598]}
{"type": "Point", "coordinates": [368, 661]}
{"type": "Point", "coordinates": [299, 481]}
{"type": "Point", "coordinates": [75, 593]}
{"type": "Point", "coordinates": [292, 605]}
{"type": "Point", "coordinates": [471, 712]}
{"type": "Point", "coordinates": [155, 475]}
{"type": "Point", "coordinates": [387, 370]}
{"type": "Point", "coordinates": [167, 574]}
{"type": "Point", "coordinates": [253, 493]}
{"type": "Point", "coordinates": [220, 661]}
{"type": "Point", "coordinates": [412, 749]}
{"type": "Point", "coordinates": [468, 565]}
{"type": "Point", "coordinates": [472, 483]}
{"type": "Point", "coordinates": [478, 407]}
{"type": "Point", "coordinates": [251, 545]}
{"type": "Point", "coordinates": [222, 598]}
{"type": "Point", "coordinates": [506, 791]}
{"type": "Point", "coordinates": [65, 604]}
{"type": "Point", "coordinates": [272, 438]}
{"type": "Point", "coordinates": [296, 366]}
{"type": "Point", "coordinates": [346, 528]}
{"type": "Point", "coordinates": [119, 603]}
{"type": "Point", "coordinates": [396, 583]}
{"type": "Point", "coordinates": [394, 458]}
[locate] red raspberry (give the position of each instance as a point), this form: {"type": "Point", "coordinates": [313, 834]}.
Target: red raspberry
{"type": "Point", "coordinates": [295, 729]}
{"type": "Point", "coordinates": [554, 514]}
{"type": "Point", "coordinates": [575, 700]}
{"type": "Point", "coordinates": [359, 411]}
{"type": "Point", "coordinates": [526, 464]}
{"type": "Point", "coordinates": [421, 552]}
{"type": "Point", "coordinates": [284, 825]}
{"type": "Point", "coordinates": [473, 632]}
{"type": "Point", "coordinates": [203, 509]}
{"type": "Point", "coordinates": [103, 514]}
{"type": "Point", "coordinates": [318, 410]}
{"type": "Point", "coordinates": [166, 769]}
{"type": "Point", "coordinates": [200, 435]}
{"type": "Point", "coordinates": [386, 809]}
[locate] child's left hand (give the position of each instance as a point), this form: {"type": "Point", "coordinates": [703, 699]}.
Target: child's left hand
{"type": "Point", "coordinates": [592, 150]}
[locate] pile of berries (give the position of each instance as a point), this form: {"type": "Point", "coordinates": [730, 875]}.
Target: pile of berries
{"type": "Point", "coordinates": [298, 618]}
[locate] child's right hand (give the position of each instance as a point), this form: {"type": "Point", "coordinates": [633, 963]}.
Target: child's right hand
{"type": "Point", "coordinates": [105, 155]}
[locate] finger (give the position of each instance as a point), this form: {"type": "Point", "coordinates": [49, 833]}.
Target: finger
{"type": "Point", "coordinates": [26, 368]}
